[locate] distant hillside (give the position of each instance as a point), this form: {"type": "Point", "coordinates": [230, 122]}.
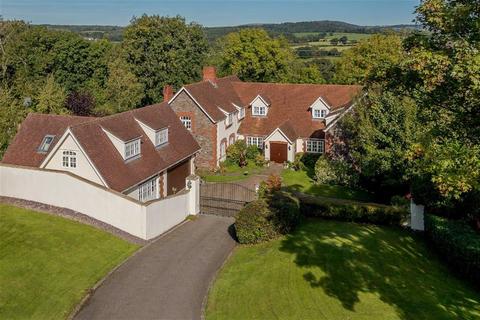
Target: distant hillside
{"type": "Point", "coordinates": [288, 29]}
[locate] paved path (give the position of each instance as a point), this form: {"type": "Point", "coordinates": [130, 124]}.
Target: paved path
{"type": "Point", "coordinates": [255, 179]}
{"type": "Point", "coordinates": [169, 278]}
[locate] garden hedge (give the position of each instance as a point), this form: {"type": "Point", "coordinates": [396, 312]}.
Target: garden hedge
{"type": "Point", "coordinates": [457, 243]}
{"type": "Point", "coordinates": [351, 211]}
{"type": "Point", "coordinates": [267, 218]}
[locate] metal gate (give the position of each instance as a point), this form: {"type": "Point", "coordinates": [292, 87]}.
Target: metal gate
{"type": "Point", "coordinates": [224, 199]}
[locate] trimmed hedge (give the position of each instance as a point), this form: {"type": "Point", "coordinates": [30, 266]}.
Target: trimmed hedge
{"type": "Point", "coordinates": [457, 243]}
{"type": "Point", "coordinates": [352, 211]}
{"type": "Point", "coordinates": [267, 218]}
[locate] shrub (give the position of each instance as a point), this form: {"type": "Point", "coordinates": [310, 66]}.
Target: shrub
{"type": "Point", "coordinates": [237, 153]}
{"type": "Point", "coordinates": [336, 172]}
{"type": "Point", "coordinates": [260, 160]}
{"type": "Point", "coordinates": [267, 218]}
{"type": "Point", "coordinates": [324, 173]}
{"type": "Point", "coordinates": [252, 152]}
{"type": "Point", "coordinates": [352, 211]}
{"type": "Point", "coordinates": [297, 164]}
{"type": "Point", "coordinates": [269, 186]}
{"type": "Point", "coordinates": [457, 243]}
{"type": "Point", "coordinates": [310, 159]}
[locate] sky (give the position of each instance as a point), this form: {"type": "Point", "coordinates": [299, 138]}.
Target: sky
{"type": "Point", "coordinates": [212, 12]}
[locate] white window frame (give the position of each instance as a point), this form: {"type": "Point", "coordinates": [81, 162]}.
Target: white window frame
{"type": "Point", "coordinates": [223, 149]}
{"type": "Point", "coordinates": [229, 120]}
{"type": "Point", "coordinates": [187, 122]}
{"type": "Point", "coordinates": [241, 113]}
{"type": "Point", "coordinates": [69, 159]}
{"type": "Point", "coordinates": [259, 111]}
{"type": "Point", "coordinates": [255, 141]}
{"type": "Point", "coordinates": [132, 149]}
{"type": "Point", "coordinates": [315, 146]}
{"type": "Point", "coordinates": [148, 190]}
{"type": "Point", "coordinates": [161, 137]}
{"type": "Point", "coordinates": [231, 140]}
{"type": "Point", "coordinates": [319, 113]}
{"type": "Point", "coordinates": [45, 146]}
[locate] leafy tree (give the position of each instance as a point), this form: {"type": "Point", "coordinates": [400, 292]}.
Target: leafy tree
{"type": "Point", "coordinates": [122, 92]}
{"type": "Point", "coordinates": [378, 136]}
{"type": "Point", "coordinates": [254, 56]}
{"type": "Point", "coordinates": [370, 60]}
{"type": "Point", "coordinates": [80, 103]}
{"type": "Point", "coordinates": [163, 50]}
{"type": "Point", "coordinates": [302, 73]}
{"type": "Point", "coordinates": [51, 98]}
{"type": "Point", "coordinates": [12, 114]}
{"type": "Point", "coordinates": [443, 74]}
{"type": "Point", "coordinates": [326, 68]}
{"type": "Point", "coordinates": [343, 40]}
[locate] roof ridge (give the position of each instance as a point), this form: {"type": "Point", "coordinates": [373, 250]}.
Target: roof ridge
{"type": "Point", "coordinates": [298, 84]}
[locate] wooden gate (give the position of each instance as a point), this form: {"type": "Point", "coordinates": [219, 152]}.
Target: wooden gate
{"type": "Point", "coordinates": [224, 199]}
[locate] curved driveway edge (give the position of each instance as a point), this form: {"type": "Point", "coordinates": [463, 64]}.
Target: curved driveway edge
{"type": "Point", "coordinates": [169, 278]}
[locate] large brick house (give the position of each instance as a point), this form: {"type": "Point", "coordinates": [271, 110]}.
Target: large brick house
{"type": "Point", "coordinates": [281, 119]}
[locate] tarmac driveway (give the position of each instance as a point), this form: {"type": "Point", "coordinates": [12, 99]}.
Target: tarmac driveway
{"type": "Point", "coordinates": [168, 279]}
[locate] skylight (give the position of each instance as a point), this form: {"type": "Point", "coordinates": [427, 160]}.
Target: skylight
{"type": "Point", "coordinates": [46, 143]}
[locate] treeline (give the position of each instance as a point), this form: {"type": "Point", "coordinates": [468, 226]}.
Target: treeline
{"type": "Point", "coordinates": [115, 33]}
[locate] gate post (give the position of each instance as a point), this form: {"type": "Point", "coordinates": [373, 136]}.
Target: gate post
{"type": "Point", "coordinates": [417, 216]}
{"type": "Point", "coordinates": [192, 184]}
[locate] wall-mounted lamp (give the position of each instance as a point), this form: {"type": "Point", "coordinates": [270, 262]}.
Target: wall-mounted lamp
{"type": "Point", "coordinates": [189, 184]}
{"type": "Point", "coordinates": [289, 148]}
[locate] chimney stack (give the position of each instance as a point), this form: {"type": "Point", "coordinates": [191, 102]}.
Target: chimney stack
{"type": "Point", "coordinates": [209, 74]}
{"type": "Point", "coordinates": [167, 93]}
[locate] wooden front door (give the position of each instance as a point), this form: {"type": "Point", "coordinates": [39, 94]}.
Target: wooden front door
{"type": "Point", "coordinates": [278, 152]}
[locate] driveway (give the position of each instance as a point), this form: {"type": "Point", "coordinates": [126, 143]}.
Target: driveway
{"type": "Point", "coordinates": [169, 278]}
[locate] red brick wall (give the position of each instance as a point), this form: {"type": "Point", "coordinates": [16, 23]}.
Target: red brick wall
{"type": "Point", "coordinates": [203, 129]}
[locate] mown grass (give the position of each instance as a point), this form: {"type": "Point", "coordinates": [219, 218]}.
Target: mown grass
{"type": "Point", "coordinates": [48, 263]}
{"type": "Point", "coordinates": [232, 173]}
{"type": "Point", "coordinates": [336, 271]}
{"type": "Point", "coordinates": [300, 181]}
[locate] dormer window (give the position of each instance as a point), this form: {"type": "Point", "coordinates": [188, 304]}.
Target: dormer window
{"type": "Point", "coordinates": [320, 109]}
{"type": "Point", "coordinates": [259, 110]}
{"type": "Point", "coordinates": [161, 137]}
{"type": "Point", "coordinates": [260, 106]}
{"type": "Point", "coordinates": [46, 143]}
{"type": "Point", "coordinates": [241, 113]}
{"type": "Point", "coordinates": [132, 149]}
{"type": "Point", "coordinates": [229, 120]}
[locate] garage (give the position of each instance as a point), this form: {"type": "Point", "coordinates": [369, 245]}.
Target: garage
{"type": "Point", "coordinates": [176, 177]}
{"type": "Point", "coordinates": [278, 152]}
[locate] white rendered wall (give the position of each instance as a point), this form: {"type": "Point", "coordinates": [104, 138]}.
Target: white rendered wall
{"type": "Point", "coordinates": [224, 132]}
{"type": "Point", "coordinates": [84, 168]}
{"type": "Point", "coordinates": [62, 189]}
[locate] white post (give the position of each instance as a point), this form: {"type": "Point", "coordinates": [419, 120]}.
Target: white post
{"type": "Point", "coordinates": [417, 216]}
{"type": "Point", "coordinates": [193, 185]}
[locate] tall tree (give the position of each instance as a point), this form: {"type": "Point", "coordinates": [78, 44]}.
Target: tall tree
{"type": "Point", "coordinates": [51, 98]}
{"type": "Point", "coordinates": [122, 90]}
{"type": "Point", "coordinates": [370, 60]}
{"type": "Point", "coordinates": [163, 50]}
{"type": "Point", "coordinates": [12, 114]}
{"type": "Point", "coordinates": [254, 56]}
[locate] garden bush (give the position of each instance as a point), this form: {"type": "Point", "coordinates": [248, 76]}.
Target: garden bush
{"type": "Point", "coordinates": [335, 172]}
{"type": "Point", "coordinates": [252, 152]}
{"type": "Point", "coordinates": [457, 243]}
{"type": "Point", "coordinates": [269, 186]}
{"type": "Point", "coordinates": [237, 153]}
{"type": "Point", "coordinates": [267, 218]}
{"type": "Point", "coordinates": [352, 211]}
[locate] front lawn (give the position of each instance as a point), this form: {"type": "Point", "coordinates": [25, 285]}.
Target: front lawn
{"type": "Point", "coordinates": [300, 181]}
{"type": "Point", "coordinates": [232, 173]}
{"type": "Point", "coordinates": [334, 270]}
{"type": "Point", "coordinates": [48, 263]}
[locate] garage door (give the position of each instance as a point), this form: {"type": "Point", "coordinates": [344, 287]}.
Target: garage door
{"type": "Point", "coordinates": [278, 152]}
{"type": "Point", "coordinates": [176, 177]}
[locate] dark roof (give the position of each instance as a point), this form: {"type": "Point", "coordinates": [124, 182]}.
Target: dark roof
{"type": "Point", "coordinates": [286, 101]}
{"type": "Point", "coordinates": [23, 149]}
{"type": "Point", "coordinates": [213, 96]}
{"type": "Point", "coordinates": [288, 129]}
{"type": "Point", "coordinates": [117, 173]}
{"type": "Point", "coordinates": [291, 102]}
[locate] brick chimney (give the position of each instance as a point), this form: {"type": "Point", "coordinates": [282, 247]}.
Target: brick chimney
{"type": "Point", "coordinates": [209, 74]}
{"type": "Point", "coordinates": [167, 93]}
